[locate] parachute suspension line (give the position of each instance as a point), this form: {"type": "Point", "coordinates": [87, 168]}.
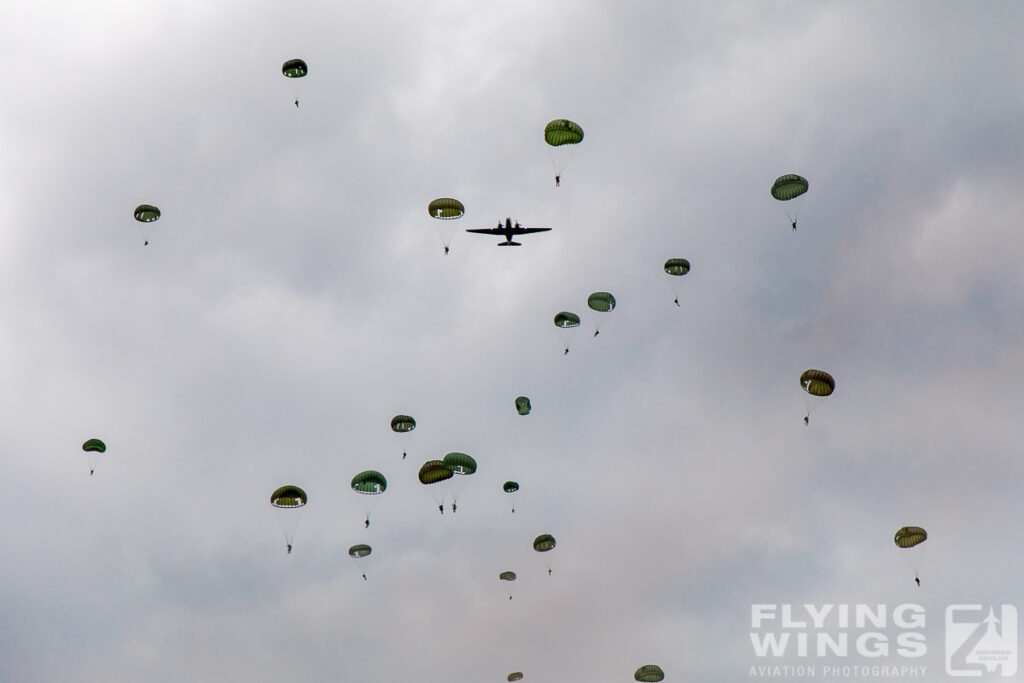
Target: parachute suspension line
{"type": "Point", "coordinates": [914, 557]}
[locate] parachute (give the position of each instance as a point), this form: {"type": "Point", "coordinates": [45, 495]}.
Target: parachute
{"type": "Point", "coordinates": [601, 303]}
{"type": "Point", "coordinates": [910, 538]}
{"type": "Point", "coordinates": [817, 384]}
{"type": "Point", "coordinates": [433, 472]}
{"type": "Point", "coordinates": [93, 448]}
{"type": "Point", "coordinates": [293, 70]}
{"type": "Point", "coordinates": [288, 501]}
{"type": "Point", "coordinates": [676, 268]}
{"type": "Point", "coordinates": [146, 214]}
{"type": "Point", "coordinates": [567, 322]}
{"type": "Point", "coordinates": [508, 576]}
{"type": "Point", "coordinates": [511, 488]}
{"type": "Point", "coordinates": [788, 187]}
{"type": "Point", "coordinates": [463, 465]}
{"type": "Point", "coordinates": [288, 497]}
{"type": "Point", "coordinates": [515, 676]}
{"type": "Point", "coordinates": [403, 424]}
{"type": "Point", "coordinates": [460, 463]}
{"type": "Point", "coordinates": [543, 544]}
{"type": "Point", "coordinates": [523, 405]}
{"type": "Point", "coordinates": [649, 672]}
{"type": "Point", "coordinates": [369, 483]}
{"type": "Point", "coordinates": [360, 554]}
{"type": "Point", "coordinates": [359, 550]}
{"type": "Point", "coordinates": [565, 134]}
{"type": "Point", "coordinates": [446, 209]}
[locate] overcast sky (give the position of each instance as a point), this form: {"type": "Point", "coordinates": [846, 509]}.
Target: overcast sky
{"type": "Point", "coordinates": [294, 296]}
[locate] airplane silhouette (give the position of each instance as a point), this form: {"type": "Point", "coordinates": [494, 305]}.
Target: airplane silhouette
{"type": "Point", "coordinates": [507, 231]}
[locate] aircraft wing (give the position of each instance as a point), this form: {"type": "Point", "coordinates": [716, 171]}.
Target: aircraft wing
{"type": "Point", "coordinates": [488, 231]}
{"type": "Point", "coordinates": [527, 231]}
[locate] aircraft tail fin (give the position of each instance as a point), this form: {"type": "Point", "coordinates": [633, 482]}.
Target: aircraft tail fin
{"type": "Point", "coordinates": [509, 244]}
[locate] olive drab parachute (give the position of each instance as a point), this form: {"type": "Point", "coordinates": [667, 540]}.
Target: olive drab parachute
{"type": "Point", "coordinates": [294, 70]}
{"type": "Point", "coordinates": [601, 303]}
{"type": "Point", "coordinates": [817, 384]}
{"type": "Point", "coordinates": [508, 576]}
{"type": "Point", "coordinates": [787, 188]}
{"type": "Point", "coordinates": [515, 676]}
{"type": "Point", "coordinates": [288, 497]}
{"type": "Point", "coordinates": [567, 322]}
{"type": "Point", "coordinates": [146, 214]}
{"type": "Point", "coordinates": [462, 465]}
{"type": "Point", "coordinates": [359, 550]}
{"type": "Point", "coordinates": [288, 501]}
{"type": "Point", "coordinates": [523, 406]}
{"type": "Point", "coordinates": [649, 673]}
{"type": "Point", "coordinates": [562, 136]}
{"type": "Point", "coordinates": [360, 553]}
{"type": "Point", "coordinates": [370, 484]}
{"type": "Point", "coordinates": [675, 268]}
{"type": "Point", "coordinates": [511, 488]}
{"type": "Point", "coordinates": [93, 448]}
{"type": "Point", "coordinates": [563, 132]}
{"type": "Point", "coordinates": [446, 209]}
{"type": "Point", "coordinates": [544, 544]}
{"type": "Point", "coordinates": [403, 425]}
{"type": "Point", "coordinates": [432, 473]}
{"type": "Point", "coordinates": [910, 538]}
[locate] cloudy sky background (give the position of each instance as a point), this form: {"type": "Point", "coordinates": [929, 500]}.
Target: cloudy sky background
{"type": "Point", "coordinates": [294, 297]}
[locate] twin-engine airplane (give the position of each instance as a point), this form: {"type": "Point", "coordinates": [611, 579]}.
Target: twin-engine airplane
{"type": "Point", "coordinates": [507, 231]}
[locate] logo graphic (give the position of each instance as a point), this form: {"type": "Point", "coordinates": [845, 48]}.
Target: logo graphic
{"type": "Point", "coordinates": [976, 643]}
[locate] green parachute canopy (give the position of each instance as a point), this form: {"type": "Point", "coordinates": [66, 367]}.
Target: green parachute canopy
{"type": "Point", "coordinates": [909, 536]}
{"type": "Point", "coordinates": [789, 186]}
{"type": "Point", "coordinates": [677, 266]}
{"type": "Point", "coordinates": [446, 208]}
{"type": "Point", "coordinates": [145, 213]}
{"type": "Point", "coordinates": [459, 463]}
{"type": "Point", "coordinates": [370, 482]}
{"type": "Point", "coordinates": [566, 320]}
{"type": "Point", "coordinates": [288, 497]}
{"type": "Point", "coordinates": [403, 423]}
{"type": "Point", "coordinates": [523, 405]}
{"type": "Point", "coordinates": [544, 543]}
{"type": "Point", "coordinates": [649, 672]}
{"type": "Point", "coordinates": [507, 576]}
{"type": "Point", "coordinates": [602, 302]}
{"type": "Point", "coordinates": [562, 132]}
{"type": "Point", "coordinates": [817, 382]}
{"type": "Point", "coordinates": [434, 471]}
{"type": "Point", "coordinates": [510, 486]}
{"type": "Point", "coordinates": [359, 550]}
{"type": "Point", "coordinates": [515, 676]}
{"type": "Point", "coordinates": [294, 68]}
{"type": "Point", "coordinates": [94, 445]}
